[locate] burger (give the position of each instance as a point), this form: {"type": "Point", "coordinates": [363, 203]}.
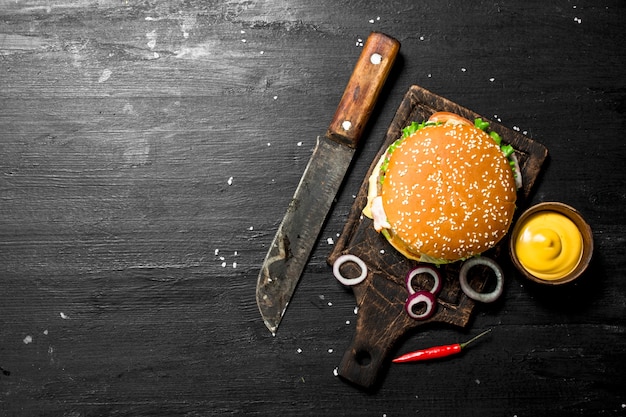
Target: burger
{"type": "Point", "coordinates": [445, 191]}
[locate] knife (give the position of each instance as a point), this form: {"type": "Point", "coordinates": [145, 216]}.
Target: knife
{"type": "Point", "coordinates": [331, 158]}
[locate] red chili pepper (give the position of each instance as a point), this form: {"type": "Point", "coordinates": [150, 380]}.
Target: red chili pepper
{"type": "Point", "coordinates": [436, 352]}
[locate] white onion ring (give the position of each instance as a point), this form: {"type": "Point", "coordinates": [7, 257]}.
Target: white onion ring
{"type": "Point", "coordinates": [437, 285]}
{"type": "Point", "coordinates": [349, 258]}
{"type": "Point", "coordinates": [425, 297]}
{"type": "Point", "coordinates": [517, 172]}
{"type": "Point", "coordinates": [475, 295]}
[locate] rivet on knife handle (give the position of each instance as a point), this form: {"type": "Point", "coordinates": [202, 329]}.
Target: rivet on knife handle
{"type": "Point", "coordinates": [364, 86]}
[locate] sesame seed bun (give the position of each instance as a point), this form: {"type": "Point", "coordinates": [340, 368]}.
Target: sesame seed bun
{"type": "Point", "coordinates": [448, 192]}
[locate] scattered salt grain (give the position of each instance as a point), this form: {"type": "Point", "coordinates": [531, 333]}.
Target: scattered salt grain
{"type": "Point", "coordinates": [330, 350]}
{"type": "Point", "coordinates": [64, 316]}
{"type": "Point", "coordinates": [223, 264]}
{"type": "Point", "coordinates": [421, 38]}
{"type": "Point", "coordinates": [356, 310]}
{"type": "Point", "coordinates": [28, 339]}
{"type": "Point", "coordinates": [230, 181]}
{"type": "Point", "coordinates": [517, 129]}
{"type": "Point", "coordinates": [477, 381]}
{"type": "Point", "coordinates": [330, 241]}
{"type": "Point", "coordinates": [234, 265]}
{"type": "Point", "coordinates": [106, 74]}
{"type": "Point", "coordinates": [244, 41]}
{"type": "Point", "coordinates": [330, 304]}
{"type": "Point", "coordinates": [463, 69]}
{"type": "Point", "coordinates": [347, 322]}
{"type": "Point", "coordinates": [251, 228]}
{"type": "Point", "coordinates": [359, 42]}
{"type": "Point", "coordinates": [275, 97]}
{"type": "Point", "coordinates": [45, 332]}
{"type": "Point", "coordinates": [299, 144]}
{"type": "Point", "coordinates": [299, 350]}
{"type": "Point", "coordinates": [336, 371]}
{"type": "Point", "coordinates": [217, 251]}
{"type": "Point", "coordinates": [492, 79]}
{"type": "Point", "coordinates": [151, 36]}
{"type": "Point", "coordinates": [578, 20]}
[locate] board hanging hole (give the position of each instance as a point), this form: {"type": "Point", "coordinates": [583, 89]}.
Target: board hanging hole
{"type": "Point", "coordinates": [363, 358]}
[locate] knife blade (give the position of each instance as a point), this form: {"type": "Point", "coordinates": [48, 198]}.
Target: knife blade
{"type": "Point", "coordinates": [299, 230]}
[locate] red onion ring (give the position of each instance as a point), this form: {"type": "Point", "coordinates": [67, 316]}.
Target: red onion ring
{"type": "Point", "coordinates": [349, 258]}
{"type": "Point", "coordinates": [437, 285]}
{"type": "Point", "coordinates": [418, 297]}
{"type": "Point", "coordinates": [475, 295]}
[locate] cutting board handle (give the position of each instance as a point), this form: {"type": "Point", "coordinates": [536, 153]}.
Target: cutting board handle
{"type": "Point", "coordinates": [364, 86]}
{"type": "Point", "coordinates": [381, 321]}
{"type": "Point", "coordinates": [363, 361]}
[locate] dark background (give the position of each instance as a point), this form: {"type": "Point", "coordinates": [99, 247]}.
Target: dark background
{"type": "Point", "coordinates": [149, 149]}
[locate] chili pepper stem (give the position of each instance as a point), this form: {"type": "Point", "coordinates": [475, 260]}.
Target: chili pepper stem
{"type": "Point", "coordinates": [473, 339]}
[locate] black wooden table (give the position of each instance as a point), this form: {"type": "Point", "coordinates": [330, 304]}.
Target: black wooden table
{"type": "Point", "coordinates": [148, 151]}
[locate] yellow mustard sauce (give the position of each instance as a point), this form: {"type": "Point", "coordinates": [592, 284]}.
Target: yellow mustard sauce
{"type": "Point", "coordinates": [549, 245]}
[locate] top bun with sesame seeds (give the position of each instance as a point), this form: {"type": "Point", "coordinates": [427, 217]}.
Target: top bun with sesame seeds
{"type": "Point", "coordinates": [444, 192]}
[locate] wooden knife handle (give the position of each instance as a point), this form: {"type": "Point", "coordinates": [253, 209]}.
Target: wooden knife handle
{"type": "Point", "coordinates": [364, 86]}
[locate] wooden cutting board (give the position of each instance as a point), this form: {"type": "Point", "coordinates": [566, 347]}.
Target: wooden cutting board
{"type": "Point", "coordinates": [380, 298]}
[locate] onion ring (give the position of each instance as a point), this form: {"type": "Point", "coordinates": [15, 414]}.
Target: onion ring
{"type": "Point", "coordinates": [437, 285]}
{"type": "Point", "coordinates": [425, 297]}
{"type": "Point", "coordinates": [517, 172]}
{"type": "Point", "coordinates": [349, 258]}
{"type": "Point", "coordinates": [475, 295]}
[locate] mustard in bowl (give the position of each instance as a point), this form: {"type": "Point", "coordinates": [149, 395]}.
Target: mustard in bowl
{"type": "Point", "coordinates": [551, 243]}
